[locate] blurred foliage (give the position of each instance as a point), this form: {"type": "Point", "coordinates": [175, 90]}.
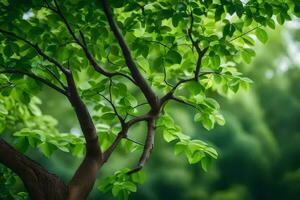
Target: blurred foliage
{"type": "Point", "coordinates": [8, 190]}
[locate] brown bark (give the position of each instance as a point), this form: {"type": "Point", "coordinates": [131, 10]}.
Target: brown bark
{"type": "Point", "coordinates": [40, 184]}
{"type": "Point", "coordinates": [85, 176]}
{"type": "Point", "coordinates": [135, 73]}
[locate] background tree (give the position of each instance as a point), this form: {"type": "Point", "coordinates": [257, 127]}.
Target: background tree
{"type": "Point", "coordinates": [169, 50]}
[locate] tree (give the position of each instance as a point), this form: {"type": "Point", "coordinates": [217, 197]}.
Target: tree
{"type": "Point", "coordinates": [101, 55]}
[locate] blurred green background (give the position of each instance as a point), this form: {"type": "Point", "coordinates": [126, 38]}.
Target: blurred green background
{"type": "Point", "coordinates": [259, 147]}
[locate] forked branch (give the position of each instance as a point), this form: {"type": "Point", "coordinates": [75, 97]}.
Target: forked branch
{"type": "Point", "coordinates": [82, 43]}
{"type": "Point", "coordinates": [149, 143]}
{"type": "Point", "coordinates": [195, 44]}
{"type": "Point", "coordinates": [135, 73]}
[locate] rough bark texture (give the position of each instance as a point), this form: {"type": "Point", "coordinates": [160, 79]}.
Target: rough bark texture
{"type": "Point", "coordinates": [40, 184]}
{"type": "Point", "coordinates": [84, 178]}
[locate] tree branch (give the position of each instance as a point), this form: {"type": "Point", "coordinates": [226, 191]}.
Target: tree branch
{"type": "Point", "coordinates": [123, 134]}
{"type": "Point", "coordinates": [195, 44]}
{"type": "Point", "coordinates": [59, 12]}
{"type": "Point", "coordinates": [148, 146]}
{"type": "Point", "coordinates": [39, 183]}
{"type": "Point", "coordinates": [110, 101]}
{"type": "Point", "coordinates": [84, 46]}
{"type": "Point", "coordinates": [184, 102]}
{"type": "Point", "coordinates": [247, 32]}
{"type": "Point", "coordinates": [201, 54]}
{"type": "Point", "coordinates": [37, 78]}
{"type": "Point", "coordinates": [87, 171]}
{"type": "Point", "coordinates": [135, 73]}
{"type": "Point", "coordinates": [165, 77]}
{"type": "Point", "coordinates": [38, 50]}
{"type": "Point", "coordinates": [158, 42]}
{"type": "Point", "coordinates": [169, 95]}
{"type": "Point", "coordinates": [56, 78]}
{"type": "Point", "coordinates": [138, 119]}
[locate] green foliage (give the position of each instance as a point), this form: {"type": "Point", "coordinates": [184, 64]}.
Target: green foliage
{"type": "Point", "coordinates": [47, 142]}
{"type": "Point", "coordinates": [169, 129]}
{"type": "Point", "coordinates": [261, 35]}
{"type": "Point", "coordinates": [194, 150]}
{"type": "Point", "coordinates": [122, 184]}
{"type": "Point", "coordinates": [7, 180]}
{"type": "Point", "coordinates": [164, 37]}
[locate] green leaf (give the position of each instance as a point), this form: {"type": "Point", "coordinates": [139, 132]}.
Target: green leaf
{"type": "Point", "coordinates": [218, 13]}
{"type": "Point", "coordinates": [130, 186]}
{"type": "Point", "coordinates": [108, 116]}
{"type": "Point", "coordinates": [208, 122]}
{"type": "Point", "coordinates": [271, 23]}
{"type": "Point", "coordinates": [216, 61]}
{"type": "Point", "coordinates": [195, 157]}
{"type": "Point", "coordinates": [180, 148]}
{"type": "Point", "coordinates": [132, 102]}
{"type": "Point", "coordinates": [157, 64]}
{"type": "Point", "coordinates": [212, 103]}
{"type": "Point", "coordinates": [8, 51]}
{"type": "Point", "coordinates": [138, 177]}
{"type": "Point", "coordinates": [144, 50]}
{"type": "Point", "coordinates": [46, 149]}
{"type": "Point", "coordinates": [32, 141]}
{"type": "Point", "coordinates": [176, 19]}
{"type": "Point", "coordinates": [197, 11]}
{"type": "Point", "coordinates": [205, 163]}
{"type": "Point", "coordinates": [280, 19]}
{"type": "Point", "coordinates": [169, 135]}
{"type": "Point", "coordinates": [247, 54]}
{"type": "Point", "coordinates": [165, 121]}
{"type": "Point", "coordinates": [261, 35]}
{"type": "Point", "coordinates": [78, 150]}
{"type": "Point", "coordinates": [173, 57]}
{"type": "Point", "coordinates": [63, 148]}
{"type": "Point", "coordinates": [220, 119]}
{"type": "Point", "coordinates": [248, 40]}
{"type": "Point", "coordinates": [106, 184]}
{"type": "Point", "coordinates": [3, 110]}
{"type": "Point", "coordinates": [24, 97]}
{"type": "Point", "coordinates": [116, 189]}
{"type": "Point", "coordinates": [22, 144]}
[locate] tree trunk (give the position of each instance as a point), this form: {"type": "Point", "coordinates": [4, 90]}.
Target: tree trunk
{"type": "Point", "coordinates": [40, 184]}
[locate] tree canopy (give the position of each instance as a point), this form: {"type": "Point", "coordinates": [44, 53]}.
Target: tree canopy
{"type": "Point", "coordinates": [119, 64]}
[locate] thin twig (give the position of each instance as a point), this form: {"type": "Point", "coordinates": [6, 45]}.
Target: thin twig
{"type": "Point", "coordinates": [113, 107]}
{"type": "Point", "coordinates": [84, 46]}
{"type": "Point", "coordinates": [57, 79]}
{"type": "Point", "coordinates": [158, 42]}
{"type": "Point", "coordinates": [168, 96]}
{"type": "Point", "coordinates": [38, 50]}
{"type": "Point", "coordinates": [48, 83]}
{"type": "Point", "coordinates": [165, 77]}
{"type": "Point", "coordinates": [195, 44]}
{"type": "Point", "coordinates": [237, 37]}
